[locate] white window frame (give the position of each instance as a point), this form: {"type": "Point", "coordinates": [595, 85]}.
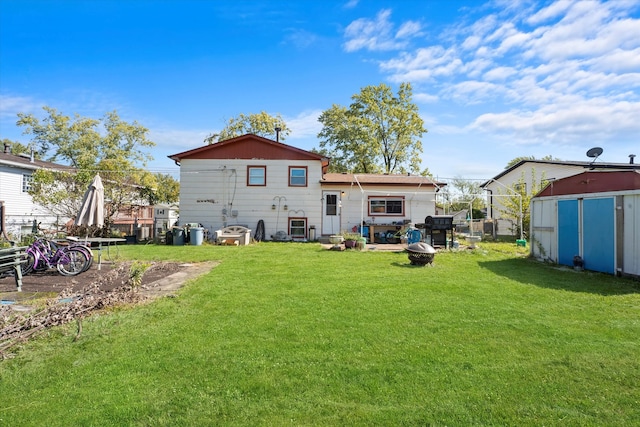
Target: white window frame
{"type": "Point", "coordinates": [293, 169]}
{"type": "Point", "coordinates": [379, 206]}
{"type": "Point", "coordinates": [302, 226]}
{"type": "Point", "coordinates": [250, 177]}
{"type": "Point", "coordinates": [26, 182]}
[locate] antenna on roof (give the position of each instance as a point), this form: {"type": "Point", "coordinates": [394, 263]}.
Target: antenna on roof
{"type": "Point", "coordinates": [594, 153]}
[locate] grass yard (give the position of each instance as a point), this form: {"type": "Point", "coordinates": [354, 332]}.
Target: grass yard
{"type": "Point", "coordinates": [291, 334]}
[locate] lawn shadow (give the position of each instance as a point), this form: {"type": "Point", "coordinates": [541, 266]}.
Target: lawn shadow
{"type": "Point", "coordinates": [531, 272]}
{"type": "Point", "coordinates": [409, 265]}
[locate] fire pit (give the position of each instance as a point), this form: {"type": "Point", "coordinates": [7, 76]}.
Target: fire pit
{"type": "Point", "coordinates": [421, 253]}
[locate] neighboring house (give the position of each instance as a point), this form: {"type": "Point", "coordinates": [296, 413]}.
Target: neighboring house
{"type": "Point", "coordinates": [250, 180]}
{"type": "Point", "coordinates": [545, 171]}
{"type": "Point", "coordinates": [165, 216]}
{"type": "Point", "coordinates": [592, 215]}
{"type": "Point", "coordinates": [19, 210]}
{"type": "Point", "coordinates": [135, 220]}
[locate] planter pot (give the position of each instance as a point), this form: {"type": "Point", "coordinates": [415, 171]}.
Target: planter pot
{"type": "Point", "coordinates": [361, 243]}
{"type": "Point", "coordinates": [335, 239]}
{"type": "Point", "coordinates": [350, 244]}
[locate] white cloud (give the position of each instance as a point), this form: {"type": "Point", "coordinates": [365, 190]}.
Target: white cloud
{"type": "Point", "coordinates": [425, 98]}
{"type": "Point", "coordinates": [409, 29]}
{"type": "Point", "coordinates": [472, 92]}
{"type": "Point", "coordinates": [567, 71]}
{"type": "Point", "coordinates": [301, 39]}
{"type": "Point", "coordinates": [304, 125]}
{"type": "Point", "coordinates": [591, 120]}
{"type": "Point", "coordinates": [552, 11]}
{"type": "Point", "coordinates": [618, 61]}
{"type": "Point", "coordinates": [377, 35]}
{"type": "Point", "coordinates": [423, 65]}
{"type": "Point", "coordinates": [177, 140]}
{"type": "Point", "coordinates": [10, 106]}
{"type": "Point", "coordinates": [499, 73]}
{"type": "Point", "coordinates": [351, 4]}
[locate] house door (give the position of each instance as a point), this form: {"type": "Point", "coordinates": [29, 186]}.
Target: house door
{"type": "Point", "coordinates": [330, 212]}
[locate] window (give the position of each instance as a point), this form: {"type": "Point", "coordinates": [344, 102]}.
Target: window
{"type": "Point", "coordinates": [26, 183]}
{"type": "Point", "coordinates": [520, 187]}
{"type": "Point", "coordinates": [331, 205]}
{"type": "Point", "coordinates": [297, 176]}
{"type": "Point", "coordinates": [386, 206]}
{"type": "Point", "coordinates": [297, 228]}
{"type": "Point", "coordinates": [256, 175]}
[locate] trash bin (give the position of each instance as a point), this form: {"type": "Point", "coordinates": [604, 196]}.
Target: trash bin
{"type": "Point", "coordinates": [178, 236]}
{"type": "Point", "coordinates": [168, 238]}
{"type": "Point", "coordinates": [197, 235]}
{"type": "Point", "coordinates": [312, 233]}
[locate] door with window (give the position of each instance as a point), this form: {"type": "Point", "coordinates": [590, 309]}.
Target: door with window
{"type": "Point", "coordinates": [331, 207]}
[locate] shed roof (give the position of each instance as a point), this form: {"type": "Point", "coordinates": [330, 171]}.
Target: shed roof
{"type": "Point", "coordinates": [593, 182]}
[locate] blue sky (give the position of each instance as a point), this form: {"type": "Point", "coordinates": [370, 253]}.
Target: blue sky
{"type": "Point", "coordinates": [493, 80]}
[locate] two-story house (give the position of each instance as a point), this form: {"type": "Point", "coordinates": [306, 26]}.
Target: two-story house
{"type": "Point", "coordinates": [18, 209]}
{"type": "Point", "coordinates": [251, 179]}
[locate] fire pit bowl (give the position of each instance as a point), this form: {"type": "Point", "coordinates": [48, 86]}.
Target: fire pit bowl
{"type": "Point", "coordinates": [421, 254]}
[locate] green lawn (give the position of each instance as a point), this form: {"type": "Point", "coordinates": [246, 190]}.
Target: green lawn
{"type": "Point", "coordinates": [291, 334]}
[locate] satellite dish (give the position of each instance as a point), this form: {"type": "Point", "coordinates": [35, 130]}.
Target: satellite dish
{"type": "Point", "coordinates": [594, 152]}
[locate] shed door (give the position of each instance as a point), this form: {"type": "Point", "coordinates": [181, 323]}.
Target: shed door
{"type": "Point", "coordinates": [568, 231]}
{"type": "Point", "coordinates": [598, 228]}
{"type": "Point", "coordinates": [631, 262]}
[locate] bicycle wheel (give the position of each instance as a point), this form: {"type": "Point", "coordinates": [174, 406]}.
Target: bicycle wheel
{"type": "Point", "coordinates": [27, 267]}
{"type": "Point", "coordinates": [72, 262]}
{"type": "Point", "coordinates": [89, 254]}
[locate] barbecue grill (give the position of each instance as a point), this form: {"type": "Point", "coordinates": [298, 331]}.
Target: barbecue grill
{"type": "Point", "coordinates": [437, 226]}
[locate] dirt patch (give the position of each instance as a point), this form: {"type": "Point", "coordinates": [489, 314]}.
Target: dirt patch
{"type": "Point", "coordinates": [109, 277]}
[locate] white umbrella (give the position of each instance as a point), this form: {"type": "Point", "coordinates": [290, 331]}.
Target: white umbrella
{"type": "Point", "coordinates": [92, 208]}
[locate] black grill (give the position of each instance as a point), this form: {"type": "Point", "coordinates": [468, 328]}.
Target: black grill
{"type": "Point", "coordinates": [437, 226]}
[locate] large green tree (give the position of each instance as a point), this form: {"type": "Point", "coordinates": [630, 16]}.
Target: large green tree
{"type": "Point", "coordinates": [380, 132]}
{"type": "Point", "coordinates": [261, 124]}
{"type": "Point", "coordinates": [109, 146]}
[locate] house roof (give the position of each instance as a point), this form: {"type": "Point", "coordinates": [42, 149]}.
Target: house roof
{"type": "Point", "coordinates": [378, 179]}
{"type": "Point", "coordinates": [586, 165]}
{"type": "Point", "coordinates": [593, 182]}
{"type": "Point", "coordinates": [25, 162]}
{"type": "Point", "coordinates": [249, 146]}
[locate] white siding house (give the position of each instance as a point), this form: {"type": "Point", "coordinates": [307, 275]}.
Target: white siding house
{"type": "Point", "coordinates": [248, 179]}
{"type": "Point", "coordinates": [544, 172]}
{"type": "Point", "coordinates": [19, 210]}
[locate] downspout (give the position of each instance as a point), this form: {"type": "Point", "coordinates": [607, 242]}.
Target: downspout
{"type": "Point", "coordinates": [355, 177]}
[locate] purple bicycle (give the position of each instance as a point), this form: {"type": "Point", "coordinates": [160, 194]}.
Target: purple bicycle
{"type": "Point", "coordinates": [44, 254]}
